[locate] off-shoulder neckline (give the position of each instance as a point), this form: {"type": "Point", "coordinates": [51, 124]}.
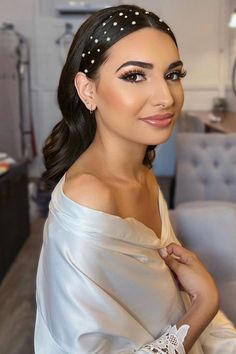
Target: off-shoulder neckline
{"type": "Point", "coordinates": [113, 216]}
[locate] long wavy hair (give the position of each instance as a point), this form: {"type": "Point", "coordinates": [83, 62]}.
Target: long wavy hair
{"type": "Point", "coordinates": [72, 135]}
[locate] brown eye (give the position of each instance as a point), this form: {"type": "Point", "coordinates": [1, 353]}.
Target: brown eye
{"type": "Point", "coordinates": [134, 76]}
{"type": "Point", "coordinates": [175, 75]}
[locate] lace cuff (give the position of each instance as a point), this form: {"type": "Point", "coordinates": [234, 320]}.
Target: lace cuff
{"type": "Point", "coordinates": [171, 342]}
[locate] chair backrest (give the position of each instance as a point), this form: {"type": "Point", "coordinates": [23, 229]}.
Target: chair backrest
{"type": "Point", "coordinates": [209, 229]}
{"type": "Point", "coordinates": [205, 167]}
{"type": "Point", "coordinates": [165, 160]}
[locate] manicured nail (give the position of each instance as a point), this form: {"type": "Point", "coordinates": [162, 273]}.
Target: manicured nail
{"type": "Point", "coordinates": [163, 252]}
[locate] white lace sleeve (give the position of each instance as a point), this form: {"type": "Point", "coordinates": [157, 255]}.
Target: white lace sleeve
{"type": "Point", "coordinates": [171, 342]}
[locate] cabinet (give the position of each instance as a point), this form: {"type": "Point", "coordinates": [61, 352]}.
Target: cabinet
{"type": "Point", "coordinates": [227, 124]}
{"type": "Point", "coordinates": [14, 214]}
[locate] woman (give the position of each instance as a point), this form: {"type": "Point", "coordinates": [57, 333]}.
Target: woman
{"type": "Point", "coordinates": [110, 264]}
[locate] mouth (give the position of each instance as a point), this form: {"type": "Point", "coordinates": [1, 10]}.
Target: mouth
{"type": "Point", "coordinates": [159, 120]}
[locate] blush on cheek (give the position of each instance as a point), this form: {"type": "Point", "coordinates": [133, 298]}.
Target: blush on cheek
{"type": "Point", "coordinates": [116, 99]}
{"type": "Point", "coordinates": [179, 96]}
{"type": "Point", "coordinates": [121, 100]}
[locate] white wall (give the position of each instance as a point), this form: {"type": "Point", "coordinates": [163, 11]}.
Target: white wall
{"type": "Point", "coordinates": [201, 30]}
{"type": "Point", "coordinates": [207, 47]}
{"type": "Point", "coordinates": [232, 56]}
{"type": "Point", "coordinates": [22, 14]}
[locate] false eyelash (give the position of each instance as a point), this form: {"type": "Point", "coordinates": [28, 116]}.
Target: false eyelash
{"type": "Point", "coordinates": [140, 72]}
{"type": "Point", "coordinates": [184, 73]}
{"type": "Point", "coordinates": [132, 72]}
{"type": "Point", "coordinates": [177, 72]}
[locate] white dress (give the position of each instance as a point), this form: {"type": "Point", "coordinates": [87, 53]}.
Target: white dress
{"type": "Point", "coordinates": [103, 288]}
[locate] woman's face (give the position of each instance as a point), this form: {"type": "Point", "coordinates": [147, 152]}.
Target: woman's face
{"type": "Point", "coordinates": [135, 83]}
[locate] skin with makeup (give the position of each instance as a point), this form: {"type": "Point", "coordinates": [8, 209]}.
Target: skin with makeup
{"type": "Point", "coordinates": [138, 99]}
{"type": "Point", "coordinates": [128, 104]}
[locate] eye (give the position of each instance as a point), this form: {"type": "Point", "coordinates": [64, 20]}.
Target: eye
{"type": "Point", "coordinates": [175, 75]}
{"type": "Point", "coordinates": [134, 76]}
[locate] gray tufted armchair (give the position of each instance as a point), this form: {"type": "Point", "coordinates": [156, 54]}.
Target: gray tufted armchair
{"type": "Point", "coordinates": [165, 162]}
{"type": "Point", "coordinates": [204, 217]}
{"type": "Point", "coordinates": [206, 167]}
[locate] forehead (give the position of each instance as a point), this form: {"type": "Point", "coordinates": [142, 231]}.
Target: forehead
{"type": "Point", "coordinates": [147, 44]}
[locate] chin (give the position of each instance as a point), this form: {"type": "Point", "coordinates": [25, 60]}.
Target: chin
{"type": "Point", "coordinates": [160, 137]}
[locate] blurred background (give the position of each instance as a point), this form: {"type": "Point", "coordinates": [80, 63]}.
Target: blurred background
{"type": "Point", "coordinates": [196, 168]}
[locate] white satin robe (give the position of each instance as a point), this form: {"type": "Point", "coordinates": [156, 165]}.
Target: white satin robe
{"type": "Point", "coordinates": [103, 288]}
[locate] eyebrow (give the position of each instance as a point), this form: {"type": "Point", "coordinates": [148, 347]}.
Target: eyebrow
{"type": "Point", "coordinates": [148, 65]}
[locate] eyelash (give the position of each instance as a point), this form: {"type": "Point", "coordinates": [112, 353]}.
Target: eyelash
{"type": "Point", "coordinates": [128, 75]}
{"type": "Point", "coordinates": [177, 72]}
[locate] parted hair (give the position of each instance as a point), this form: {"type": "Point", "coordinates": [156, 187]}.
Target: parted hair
{"type": "Point", "coordinates": [72, 135]}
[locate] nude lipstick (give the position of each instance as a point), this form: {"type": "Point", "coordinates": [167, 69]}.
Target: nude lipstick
{"type": "Point", "coordinates": [159, 120]}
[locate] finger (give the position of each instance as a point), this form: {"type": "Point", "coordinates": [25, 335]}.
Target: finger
{"type": "Point", "coordinates": [163, 252]}
{"type": "Point", "coordinates": [182, 253]}
{"type": "Point", "coordinates": [172, 263]}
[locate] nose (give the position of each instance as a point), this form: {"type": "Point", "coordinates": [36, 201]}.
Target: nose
{"type": "Point", "coordinates": [161, 95]}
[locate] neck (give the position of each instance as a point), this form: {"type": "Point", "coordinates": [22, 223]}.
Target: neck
{"type": "Point", "coordinates": [122, 159]}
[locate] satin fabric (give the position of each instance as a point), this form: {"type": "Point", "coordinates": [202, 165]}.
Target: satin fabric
{"type": "Point", "coordinates": [102, 286]}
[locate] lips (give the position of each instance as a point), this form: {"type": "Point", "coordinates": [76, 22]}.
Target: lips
{"type": "Point", "coordinates": [159, 117]}
{"type": "Point", "coordinates": [162, 121]}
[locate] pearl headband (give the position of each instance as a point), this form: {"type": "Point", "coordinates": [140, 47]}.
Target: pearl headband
{"type": "Point", "coordinates": [122, 14]}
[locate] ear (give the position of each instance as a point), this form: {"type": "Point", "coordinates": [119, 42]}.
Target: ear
{"type": "Point", "coordinates": [85, 88]}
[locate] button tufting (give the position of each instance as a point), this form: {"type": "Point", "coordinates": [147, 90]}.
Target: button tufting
{"type": "Point", "coordinates": [203, 145]}
{"type": "Point", "coordinates": [228, 146]}
{"type": "Point", "coordinates": [195, 163]}
{"type": "Point", "coordinates": [216, 163]}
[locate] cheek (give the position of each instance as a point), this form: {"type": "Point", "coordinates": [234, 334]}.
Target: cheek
{"type": "Point", "coordinates": [120, 98]}
{"type": "Point", "coordinates": [178, 95]}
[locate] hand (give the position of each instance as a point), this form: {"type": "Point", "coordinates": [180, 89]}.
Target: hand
{"type": "Point", "coordinates": [191, 274]}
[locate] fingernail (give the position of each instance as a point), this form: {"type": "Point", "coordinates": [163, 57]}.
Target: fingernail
{"type": "Point", "coordinates": [163, 252]}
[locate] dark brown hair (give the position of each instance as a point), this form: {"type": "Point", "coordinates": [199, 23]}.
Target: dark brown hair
{"type": "Point", "coordinates": [72, 135]}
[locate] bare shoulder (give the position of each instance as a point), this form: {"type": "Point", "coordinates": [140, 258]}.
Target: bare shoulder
{"type": "Point", "coordinates": [90, 191]}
